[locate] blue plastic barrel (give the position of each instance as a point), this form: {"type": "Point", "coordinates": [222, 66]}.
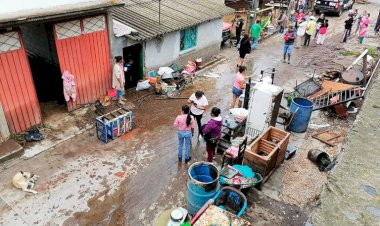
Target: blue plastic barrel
{"type": "Point", "coordinates": [202, 185]}
{"type": "Point", "coordinates": [301, 109]}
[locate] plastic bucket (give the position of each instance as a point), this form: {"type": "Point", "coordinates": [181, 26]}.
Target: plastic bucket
{"type": "Point", "coordinates": [301, 109]}
{"type": "Point", "coordinates": [202, 185]}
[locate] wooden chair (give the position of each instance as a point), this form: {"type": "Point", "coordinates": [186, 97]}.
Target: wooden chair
{"type": "Point", "coordinates": [239, 159]}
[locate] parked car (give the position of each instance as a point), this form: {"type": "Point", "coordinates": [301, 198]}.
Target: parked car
{"type": "Point", "coordinates": [226, 33]}
{"type": "Point", "coordinates": [334, 6]}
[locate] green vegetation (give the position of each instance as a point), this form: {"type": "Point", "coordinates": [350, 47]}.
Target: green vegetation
{"type": "Point", "coordinates": [350, 53]}
{"type": "Point", "coordinates": [373, 52]}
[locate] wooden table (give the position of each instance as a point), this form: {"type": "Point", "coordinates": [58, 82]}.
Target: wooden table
{"type": "Point", "coordinates": [217, 216]}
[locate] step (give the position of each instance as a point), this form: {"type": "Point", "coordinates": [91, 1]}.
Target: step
{"type": "Point", "coordinates": [10, 149]}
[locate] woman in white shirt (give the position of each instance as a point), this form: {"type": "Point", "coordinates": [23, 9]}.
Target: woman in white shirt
{"type": "Point", "coordinates": [199, 104]}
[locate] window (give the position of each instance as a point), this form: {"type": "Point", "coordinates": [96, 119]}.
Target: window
{"type": "Point", "coordinates": [188, 38]}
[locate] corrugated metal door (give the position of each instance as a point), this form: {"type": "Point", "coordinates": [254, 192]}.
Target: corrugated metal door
{"type": "Point", "coordinates": [83, 50]}
{"type": "Point", "coordinates": [17, 93]}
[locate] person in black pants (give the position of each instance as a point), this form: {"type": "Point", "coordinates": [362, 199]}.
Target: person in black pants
{"type": "Point", "coordinates": [239, 27]}
{"type": "Point", "coordinates": [347, 28]}
{"type": "Point", "coordinates": [199, 104]}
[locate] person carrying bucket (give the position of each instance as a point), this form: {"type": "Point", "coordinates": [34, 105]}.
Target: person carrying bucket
{"type": "Point", "coordinates": [212, 132]}
{"type": "Point", "coordinates": [185, 125]}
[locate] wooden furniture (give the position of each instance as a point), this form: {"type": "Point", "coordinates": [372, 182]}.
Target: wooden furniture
{"type": "Point", "coordinates": [239, 159]}
{"type": "Point", "coordinates": [267, 152]}
{"type": "Point", "coordinates": [279, 137]}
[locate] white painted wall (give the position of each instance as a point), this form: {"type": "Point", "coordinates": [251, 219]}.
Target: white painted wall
{"type": "Point", "coordinates": [166, 51]}
{"type": "Point", "coordinates": [159, 53]}
{"type": "Point", "coordinates": [210, 33]}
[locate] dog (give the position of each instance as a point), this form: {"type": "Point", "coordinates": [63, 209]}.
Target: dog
{"type": "Point", "coordinates": [25, 181]}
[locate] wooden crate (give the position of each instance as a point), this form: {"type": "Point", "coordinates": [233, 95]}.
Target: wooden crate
{"type": "Point", "coordinates": [261, 155]}
{"type": "Point", "coordinates": [278, 137]}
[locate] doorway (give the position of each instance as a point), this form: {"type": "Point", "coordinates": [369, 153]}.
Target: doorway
{"type": "Point", "coordinates": [43, 60]}
{"type": "Point", "coordinates": [133, 58]}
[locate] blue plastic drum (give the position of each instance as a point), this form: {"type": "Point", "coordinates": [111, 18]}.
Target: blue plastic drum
{"type": "Point", "coordinates": [202, 185]}
{"type": "Point", "coordinates": [301, 109]}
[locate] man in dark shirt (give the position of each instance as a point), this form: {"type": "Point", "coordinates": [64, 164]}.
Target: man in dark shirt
{"type": "Point", "coordinates": [347, 28]}
{"type": "Point", "coordinates": [289, 38]}
{"type": "Point", "coordinates": [239, 27]}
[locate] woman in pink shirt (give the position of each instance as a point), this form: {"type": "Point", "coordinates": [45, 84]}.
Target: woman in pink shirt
{"type": "Point", "coordinates": [238, 87]}
{"type": "Point", "coordinates": [362, 33]}
{"type": "Point", "coordinates": [185, 125]}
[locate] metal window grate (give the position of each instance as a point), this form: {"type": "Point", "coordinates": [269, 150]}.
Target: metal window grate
{"type": "Point", "coordinates": [94, 24]}
{"type": "Point", "coordinates": [68, 29]}
{"type": "Point", "coordinates": [9, 41]}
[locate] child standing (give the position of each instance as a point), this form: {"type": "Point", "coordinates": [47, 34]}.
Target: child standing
{"type": "Point", "coordinates": [363, 33]}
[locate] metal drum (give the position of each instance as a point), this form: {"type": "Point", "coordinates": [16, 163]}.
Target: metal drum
{"type": "Point", "coordinates": [352, 76]}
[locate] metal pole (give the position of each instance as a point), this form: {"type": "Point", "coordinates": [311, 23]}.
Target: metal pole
{"type": "Point", "coordinates": [246, 94]}
{"type": "Point", "coordinates": [273, 71]}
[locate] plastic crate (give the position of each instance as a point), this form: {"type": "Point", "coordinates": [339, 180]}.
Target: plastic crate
{"type": "Point", "coordinates": [113, 125]}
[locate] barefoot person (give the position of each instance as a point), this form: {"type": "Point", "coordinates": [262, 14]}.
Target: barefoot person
{"type": "Point", "coordinates": [185, 125]}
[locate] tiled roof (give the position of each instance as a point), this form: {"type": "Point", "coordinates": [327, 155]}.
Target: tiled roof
{"type": "Point", "coordinates": [143, 15]}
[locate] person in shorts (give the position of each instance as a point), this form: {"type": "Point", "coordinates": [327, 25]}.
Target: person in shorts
{"type": "Point", "coordinates": [239, 85]}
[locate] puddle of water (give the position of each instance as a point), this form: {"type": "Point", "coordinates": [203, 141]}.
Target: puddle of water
{"type": "Point", "coordinates": [370, 190]}
{"type": "Point", "coordinates": [374, 211]}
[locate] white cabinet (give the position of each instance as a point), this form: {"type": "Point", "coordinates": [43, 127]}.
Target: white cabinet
{"type": "Point", "coordinates": [264, 104]}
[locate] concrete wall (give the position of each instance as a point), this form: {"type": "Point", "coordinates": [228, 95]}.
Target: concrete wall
{"type": "Point", "coordinates": [166, 51]}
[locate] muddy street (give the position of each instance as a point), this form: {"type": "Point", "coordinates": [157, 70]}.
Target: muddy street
{"type": "Point", "coordinates": [133, 179]}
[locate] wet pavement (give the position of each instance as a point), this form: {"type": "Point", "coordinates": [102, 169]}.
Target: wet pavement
{"type": "Point", "coordinates": [132, 180]}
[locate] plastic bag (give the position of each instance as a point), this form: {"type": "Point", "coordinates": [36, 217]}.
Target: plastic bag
{"type": "Point", "coordinates": [143, 85]}
{"type": "Point", "coordinates": [201, 139]}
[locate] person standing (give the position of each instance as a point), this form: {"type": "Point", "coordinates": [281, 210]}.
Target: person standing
{"type": "Point", "coordinates": [377, 26]}
{"type": "Point", "coordinates": [118, 78]}
{"type": "Point", "coordinates": [244, 49]}
{"type": "Point", "coordinates": [199, 104]}
{"type": "Point", "coordinates": [212, 132]}
{"type": "Point", "coordinates": [319, 22]}
{"type": "Point", "coordinates": [301, 32]}
{"type": "Point", "coordinates": [289, 38]}
{"type": "Point", "coordinates": [185, 125]}
{"type": "Point", "coordinates": [128, 73]}
{"type": "Point", "coordinates": [310, 30]}
{"type": "Point", "coordinates": [365, 21]}
{"type": "Point", "coordinates": [363, 33]}
{"type": "Point", "coordinates": [360, 18]}
{"type": "Point", "coordinates": [347, 28]}
{"type": "Point", "coordinates": [298, 16]}
{"type": "Point", "coordinates": [239, 85]}
{"type": "Point", "coordinates": [322, 32]}
{"type": "Point", "coordinates": [239, 27]}
{"type": "Point", "coordinates": [255, 33]}
{"type": "Point", "coordinates": [282, 21]}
